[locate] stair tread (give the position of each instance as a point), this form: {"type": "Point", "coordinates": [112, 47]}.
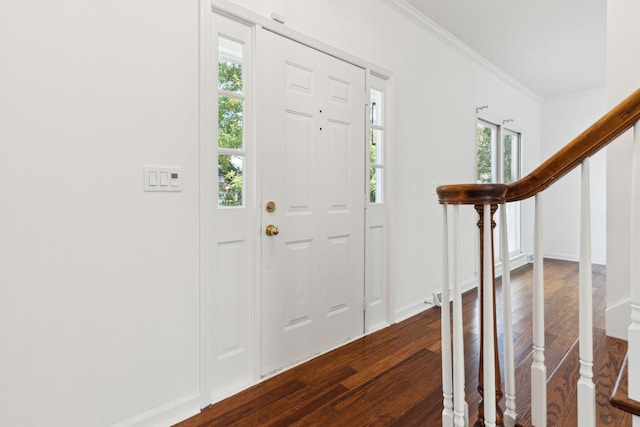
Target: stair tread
{"type": "Point", "coordinates": [620, 397]}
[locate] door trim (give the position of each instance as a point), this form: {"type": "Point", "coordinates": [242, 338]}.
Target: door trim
{"type": "Point", "coordinates": [206, 135]}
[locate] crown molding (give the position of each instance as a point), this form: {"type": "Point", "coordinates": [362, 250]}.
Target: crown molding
{"type": "Point", "coordinates": [412, 14]}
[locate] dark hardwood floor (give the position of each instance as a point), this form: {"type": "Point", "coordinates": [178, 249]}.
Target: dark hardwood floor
{"type": "Point", "coordinates": [393, 377]}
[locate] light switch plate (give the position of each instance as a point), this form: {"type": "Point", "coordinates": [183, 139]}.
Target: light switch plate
{"type": "Point", "coordinates": [162, 178]}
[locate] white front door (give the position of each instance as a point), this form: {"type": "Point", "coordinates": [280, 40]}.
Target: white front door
{"type": "Point", "coordinates": [311, 137]}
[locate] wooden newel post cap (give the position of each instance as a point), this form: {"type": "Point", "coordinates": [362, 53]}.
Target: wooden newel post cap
{"type": "Point", "coordinates": [472, 194]}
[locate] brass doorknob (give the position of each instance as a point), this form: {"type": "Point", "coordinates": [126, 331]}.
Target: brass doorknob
{"type": "Point", "coordinates": [271, 230]}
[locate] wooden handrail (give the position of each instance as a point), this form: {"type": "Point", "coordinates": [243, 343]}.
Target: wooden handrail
{"type": "Point", "coordinates": [474, 194]}
{"type": "Point", "coordinates": [622, 117]}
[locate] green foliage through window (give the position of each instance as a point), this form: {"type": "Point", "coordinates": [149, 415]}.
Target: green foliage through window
{"type": "Point", "coordinates": [229, 123]}
{"type": "Point", "coordinates": [376, 160]}
{"type": "Point", "coordinates": [487, 150]}
{"type": "Point", "coordinates": [484, 153]}
{"type": "Point", "coordinates": [230, 135]}
{"type": "Point", "coordinates": [229, 76]}
{"type": "Point", "coordinates": [229, 180]}
{"type": "Point", "coordinates": [507, 156]}
{"type": "Point", "coordinates": [375, 173]}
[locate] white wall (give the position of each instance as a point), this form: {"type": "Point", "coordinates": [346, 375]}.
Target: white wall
{"type": "Point", "coordinates": [99, 280]}
{"type": "Point", "coordinates": [564, 118]}
{"type": "Point", "coordinates": [99, 307]}
{"type": "Point", "coordinates": [623, 77]}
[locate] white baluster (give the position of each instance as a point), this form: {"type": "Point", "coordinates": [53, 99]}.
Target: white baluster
{"type": "Point", "coordinates": [447, 375]}
{"type": "Point", "coordinates": [459, 405]}
{"type": "Point", "coordinates": [634, 327]}
{"type": "Point", "coordinates": [489, 367]}
{"type": "Point", "coordinates": [538, 369]}
{"type": "Point", "coordinates": [510, 414]}
{"type": "Point", "coordinates": [586, 387]}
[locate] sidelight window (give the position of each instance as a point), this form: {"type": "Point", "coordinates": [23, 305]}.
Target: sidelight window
{"type": "Point", "coordinates": [376, 146]}
{"type": "Point", "coordinates": [231, 129]}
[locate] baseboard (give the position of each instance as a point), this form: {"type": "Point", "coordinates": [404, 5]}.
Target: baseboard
{"type": "Point", "coordinates": [515, 262]}
{"type": "Point", "coordinates": [436, 299]}
{"type": "Point", "coordinates": [376, 327]}
{"type": "Point", "coordinates": [410, 310]}
{"type": "Point", "coordinates": [561, 257]}
{"type": "Point", "coordinates": [221, 393]}
{"type": "Point", "coordinates": [618, 317]}
{"type": "Point", "coordinates": [574, 258]}
{"type": "Point", "coordinates": [167, 414]}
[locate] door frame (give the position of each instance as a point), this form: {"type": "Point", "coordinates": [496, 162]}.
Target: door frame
{"type": "Point", "coordinates": [207, 177]}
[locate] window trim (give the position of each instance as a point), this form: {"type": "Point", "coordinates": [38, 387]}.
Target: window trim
{"type": "Point", "coordinates": [497, 160]}
{"type": "Point", "coordinates": [244, 97]}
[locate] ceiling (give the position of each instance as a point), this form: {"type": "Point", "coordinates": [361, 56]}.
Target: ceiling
{"type": "Point", "coordinates": [553, 47]}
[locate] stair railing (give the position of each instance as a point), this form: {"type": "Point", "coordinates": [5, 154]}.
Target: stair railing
{"type": "Point", "coordinates": [486, 198]}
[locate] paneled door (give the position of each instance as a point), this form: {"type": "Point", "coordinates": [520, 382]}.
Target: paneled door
{"type": "Point", "coordinates": [311, 136]}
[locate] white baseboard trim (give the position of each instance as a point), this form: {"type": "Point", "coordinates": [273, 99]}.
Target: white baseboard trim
{"type": "Point", "coordinates": [575, 258]}
{"type": "Point", "coordinates": [376, 327]}
{"type": "Point", "coordinates": [515, 262]}
{"type": "Point", "coordinates": [561, 257]}
{"type": "Point", "coordinates": [167, 414]}
{"type": "Point", "coordinates": [222, 393]}
{"type": "Point", "coordinates": [599, 261]}
{"type": "Point", "coordinates": [410, 310]}
{"type": "Point", "coordinates": [469, 284]}
{"type": "Point", "coordinates": [618, 317]}
{"type": "Point", "coordinates": [436, 299]}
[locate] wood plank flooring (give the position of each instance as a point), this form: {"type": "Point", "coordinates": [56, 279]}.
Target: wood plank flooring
{"type": "Point", "coordinates": [393, 377]}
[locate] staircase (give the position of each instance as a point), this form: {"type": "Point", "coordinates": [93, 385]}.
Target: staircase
{"type": "Point", "coordinates": [487, 199]}
{"type": "Point", "coordinates": [620, 397]}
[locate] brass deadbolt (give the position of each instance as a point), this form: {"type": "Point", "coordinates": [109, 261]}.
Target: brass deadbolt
{"type": "Point", "coordinates": [270, 206]}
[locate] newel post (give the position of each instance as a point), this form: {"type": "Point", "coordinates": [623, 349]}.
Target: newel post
{"type": "Point", "coordinates": [491, 413]}
{"type": "Point", "coordinates": [485, 198]}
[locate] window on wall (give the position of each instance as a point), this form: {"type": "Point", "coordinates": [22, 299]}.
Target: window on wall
{"type": "Point", "coordinates": [231, 129]}
{"type": "Point", "coordinates": [511, 172]}
{"type": "Point", "coordinates": [486, 152]}
{"type": "Point", "coordinates": [376, 147]}
{"type": "Point", "coordinates": [498, 160]}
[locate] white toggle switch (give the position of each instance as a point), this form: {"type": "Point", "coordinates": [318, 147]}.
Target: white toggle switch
{"type": "Point", "coordinates": [162, 178]}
